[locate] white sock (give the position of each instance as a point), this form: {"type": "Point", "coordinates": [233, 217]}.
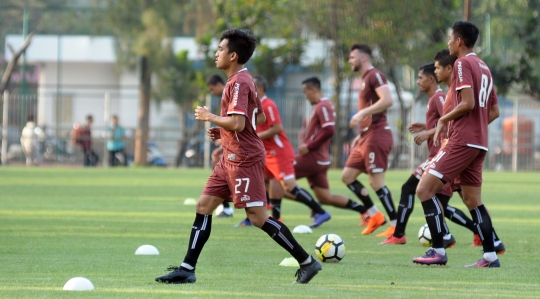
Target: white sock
{"type": "Point", "coordinates": [447, 236]}
{"type": "Point", "coordinates": [490, 256]}
{"type": "Point", "coordinates": [497, 243]}
{"type": "Point", "coordinates": [372, 211]}
{"type": "Point", "coordinates": [187, 266]}
{"type": "Point", "coordinates": [440, 251]}
{"type": "Point", "coordinates": [393, 222]}
{"type": "Point", "coordinates": [228, 211]}
{"type": "Point", "coordinates": [306, 261]}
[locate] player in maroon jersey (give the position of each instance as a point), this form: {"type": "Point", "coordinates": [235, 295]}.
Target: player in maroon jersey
{"type": "Point", "coordinates": [313, 159]}
{"type": "Point", "coordinates": [472, 97]}
{"type": "Point", "coordinates": [279, 167]}
{"type": "Point", "coordinates": [370, 153]}
{"type": "Point", "coordinates": [428, 83]}
{"type": "Point", "coordinates": [239, 175]}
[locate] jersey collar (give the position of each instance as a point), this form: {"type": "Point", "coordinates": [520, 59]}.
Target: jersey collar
{"type": "Point", "coordinates": [264, 98]}
{"type": "Point", "coordinates": [471, 54]}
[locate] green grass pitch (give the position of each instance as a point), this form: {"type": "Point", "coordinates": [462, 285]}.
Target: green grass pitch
{"type": "Point", "coordinates": [58, 223]}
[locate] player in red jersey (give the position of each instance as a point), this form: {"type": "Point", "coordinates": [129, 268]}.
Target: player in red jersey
{"type": "Point", "coordinates": [370, 153]}
{"type": "Point", "coordinates": [216, 85]}
{"type": "Point", "coordinates": [279, 168]}
{"type": "Point", "coordinates": [428, 83]}
{"type": "Point", "coordinates": [313, 159]}
{"type": "Point", "coordinates": [474, 105]}
{"type": "Point", "coordinates": [239, 175]}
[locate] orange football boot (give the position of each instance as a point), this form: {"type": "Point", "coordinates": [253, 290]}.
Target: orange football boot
{"type": "Point", "coordinates": [392, 240]}
{"type": "Point", "coordinates": [374, 223]}
{"type": "Point", "coordinates": [388, 232]}
{"type": "Point", "coordinates": [365, 219]}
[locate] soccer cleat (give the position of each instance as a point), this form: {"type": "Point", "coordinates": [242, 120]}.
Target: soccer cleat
{"type": "Point", "coordinates": [244, 222]}
{"type": "Point", "coordinates": [449, 243]}
{"type": "Point", "coordinates": [499, 249]}
{"type": "Point", "coordinates": [393, 240]}
{"type": "Point", "coordinates": [365, 219]}
{"type": "Point", "coordinates": [483, 263]}
{"type": "Point", "coordinates": [320, 219]}
{"type": "Point", "coordinates": [388, 232]}
{"type": "Point", "coordinates": [306, 273]}
{"type": "Point", "coordinates": [374, 223]}
{"type": "Point", "coordinates": [178, 275]}
{"type": "Point", "coordinates": [224, 215]}
{"type": "Point", "coordinates": [477, 241]}
{"type": "Point", "coordinates": [431, 258]}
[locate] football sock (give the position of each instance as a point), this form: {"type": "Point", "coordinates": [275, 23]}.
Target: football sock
{"type": "Point", "coordinates": [372, 211]}
{"type": "Point", "coordinates": [388, 203]}
{"type": "Point", "coordinates": [435, 220]}
{"type": "Point", "coordinates": [276, 208]}
{"type": "Point", "coordinates": [227, 208]}
{"type": "Point", "coordinates": [440, 251]}
{"type": "Point", "coordinates": [406, 205]}
{"type": "Point", "coordinates": [352, 205]}
{"type": "Point", "coordinates": [304, 197]}
{"type": "Point", "coordinates": [282, 235]}
{"type": "Point", "coordinates": [200, 232]}
{"type": "Point", "coordinates": [356, 187]}
{"type": "Point", "coordinates": [482, 220]}
{"type": "Point", "coordinates": [458, 217]}
{"type": "Point", "coordinates": [495, 237]}
{"type": "Point", "coordinates": [307, 261]}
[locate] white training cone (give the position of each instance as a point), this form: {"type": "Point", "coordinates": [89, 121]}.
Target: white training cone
{"type": "Point", "coordinates": [147, 250]}
{"type": "Point", "coordinates": [78, 284]}
{"type": "Point", "coordinates": [289, 262]}
{"type": "Point", "coordinates": [190, 201]}
{"type": "Point", "coordinates": [302, 229]}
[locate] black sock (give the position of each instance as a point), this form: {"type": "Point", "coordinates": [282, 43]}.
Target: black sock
{"type": "Point", "coordinates": [388, 202]}
{"type": "Point", "coordinates": [356, 187]}
{"type": "Point", "coordinates": [304, 197]}
{"type": "Point", "coordinates": [435, 221]}
{"type": "Point", "coordinates": [495, 237]}
{"type": "Point", "coordinates": [282, 235]}
{"type": "Point", "coordinates": [482, 220]}
{"type": "Point", "coordinates": [276, 208]}
{"type": "Point", "coordinates": [200, 232]}
{"type": "Point", "coordinates": [226, 204]}
{"type": "Point", "coordinates": [406, 205]}
{"type": "Point", "coordinates": [458, 217]}
{"type": "Point", "coordinates": [352, 205]}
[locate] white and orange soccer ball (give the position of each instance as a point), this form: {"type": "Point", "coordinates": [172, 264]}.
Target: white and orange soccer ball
{"type": "Point", "coordinates": [330, 248]}
{"type": "Point", "coordinates": [424, 236]}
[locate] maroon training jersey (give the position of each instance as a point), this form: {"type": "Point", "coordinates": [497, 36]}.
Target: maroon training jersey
{"type": "Point", "coordinates": [372, 80]}
{"type": "Point", "coordinates": [278, 145]}
{"type": "Point", "coordinates": [472, 128]}
{"type": "Point", "coordinates": [239, 97]}
{"type": "Point", "coordinates": [323, 116]}
{"type": "Point", "coordinates": [433, 113]}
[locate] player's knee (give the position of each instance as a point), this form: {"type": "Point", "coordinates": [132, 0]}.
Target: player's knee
{"type": "Point", "coordinates": [347, 178]}
{"type": "Point", "coordinates": [424, 193]}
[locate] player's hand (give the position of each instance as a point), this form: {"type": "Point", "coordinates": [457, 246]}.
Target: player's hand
{"type": "Point", "coordinates": [214, 133]}
{"type": "Point", "coordinates": [441, 128]}
{"type": "Point", "coordinates": [416, 127]}
{"type": "Point", "coordinates": [355, 120]}
{"type": "Point", "coordinates": [202, 113]}
{"type": "Point", "coordinates": [303, 149]}
{"type": "Point", "coordinates": [418, 139]}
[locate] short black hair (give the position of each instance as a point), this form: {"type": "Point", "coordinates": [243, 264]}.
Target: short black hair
{"type": "Point", "coordinates": [362, 48]}
{"type": "Point", "coordinates": [312, 82]}
{"type": "Point", "coordinates": [444, 58]}
{"type": "Point", "coordinates": [214, 79]}
{"type": "Point", "coordinates": [30, 118]}
{"type": "Point", "coordinates": [429, 70]}
{"type": "Point", "coordinates": [89, 117]}
{"type": "Point", "coordinates": [260, 81]}
{"type": "Point", "coordinates": [467, 31]}
{"type": "Point", "coordinates": [240, 41]}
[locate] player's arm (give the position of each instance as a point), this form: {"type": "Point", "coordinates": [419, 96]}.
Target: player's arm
{"type": "Point", "coordinates": [464, 107]}
{"type": "Point", "coordinates": [261, 118]}
{"type": "Point", "coordinates": [385, 101]}
{"type": "Point", "coordinates": [271, 132]}
{"type": "Point", "coordinates": [233, 122]}
{"type": "Point", "coordinates": [322, 136]}
{"type": "Point", "coordinates": [418, 139]}
{"type": "Point", "coordinates": [493, 112]}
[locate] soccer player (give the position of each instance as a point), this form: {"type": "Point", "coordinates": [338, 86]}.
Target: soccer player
{"type": "Point", "coordinates": [216, 85]}
{"type": "Point", "coordinates": [313, 159]}
{"type": "Point", "coordinates": [428, 83]}
{"type": "Point", "coordinates": [370, 153]}
{"type": "Point", "coordinates": [239, 175]}
{"type": "Point", "coordinates": [473, 104]}
{"type": "Point", "coordinates": [279, 168]}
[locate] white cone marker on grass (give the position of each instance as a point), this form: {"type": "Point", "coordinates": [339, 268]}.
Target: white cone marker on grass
{"type": "Point", "coordinates": [78, 284]}
{"type": "Point", "coordinates": [147, 250]}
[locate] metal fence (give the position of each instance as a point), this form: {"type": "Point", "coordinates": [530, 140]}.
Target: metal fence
{"type": "Point", "coordinates": [511, 147]}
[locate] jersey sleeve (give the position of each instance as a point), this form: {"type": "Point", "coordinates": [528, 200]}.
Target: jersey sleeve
{"type": "Point", "coordinates": [272, 114]}
{"type": "Point", "coordinates": [464, 78]}
{"type": "Point", "coordinates": [326, 116]}
{"type": "Point", "coordinates": [493, 98]}
{"type": "Point", "coordinates": [378, 80]}
{"type": "Point", "coordinates": [439, 103]}
{"type": "Point", "coordinates": [239, 99]}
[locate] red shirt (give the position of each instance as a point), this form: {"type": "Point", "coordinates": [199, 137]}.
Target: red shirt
{"type": "Point", "coordinates": [278, 145]}
{"type": "Point", "coordinates": [472, 128]}
{"type": "Point", "coordinates": [239, 97]}
{"type": "Point", "coordinates": [433, 113]}
{"type": "Point", "coordinates": [323, 116]}
{"type": "Point", "coordinates": [373, 79]}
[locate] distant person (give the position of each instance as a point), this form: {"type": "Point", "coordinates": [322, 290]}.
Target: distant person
{"type": "Point", "coordinates": [30, 136]}
{"type": "Point", "coordinates": [116, 144]}
{"type": "Point", "coordinates": [82, 135]}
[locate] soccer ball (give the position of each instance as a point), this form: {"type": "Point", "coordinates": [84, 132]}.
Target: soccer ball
{"type": "Point", "coordinates": [330, 248]}
{"type": "Point", "coordinates": [424, 236]}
